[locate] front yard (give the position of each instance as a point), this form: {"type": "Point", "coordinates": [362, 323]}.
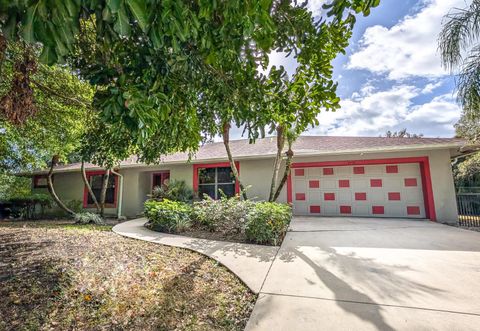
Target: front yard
{"type": "Point", "coordinates": [64, 276]}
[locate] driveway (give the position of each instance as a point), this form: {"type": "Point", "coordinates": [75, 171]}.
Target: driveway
{"type": "Point", "coordinates": [372, 274]}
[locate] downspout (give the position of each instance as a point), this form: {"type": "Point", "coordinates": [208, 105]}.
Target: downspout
{"type": "Point", "coordinates": [120, 193]}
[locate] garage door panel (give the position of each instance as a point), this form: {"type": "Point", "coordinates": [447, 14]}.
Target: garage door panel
{"type": "Point", "coordinates": [388, 190]}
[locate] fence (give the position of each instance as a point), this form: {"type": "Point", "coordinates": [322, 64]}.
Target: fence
{"type": "Point", "coordinates": [468, 209]}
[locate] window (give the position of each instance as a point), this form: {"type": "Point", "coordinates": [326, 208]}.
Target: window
{"type": "Point", "coordinates": [40, 181]}
{"type": "Point", "coordinates": [96, 179]}
{"type": "Point", "coordinates": [160, 178]}
{"type": "Point", "coordinates": [213, 179]}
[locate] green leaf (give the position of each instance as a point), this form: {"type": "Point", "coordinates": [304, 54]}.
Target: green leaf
{"type": "Point", "coordinates": [122, 25]}
{"type": "Point", "coordinates": [27, 31]}
{"type": "Point", "coordinates": [114, 5]}
{"type": "Point", "coordinates": [139, 11]}
{"type": "Point", "coordinates": [48, 55]}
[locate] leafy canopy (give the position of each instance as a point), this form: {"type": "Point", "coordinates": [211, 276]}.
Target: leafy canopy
{"type": "Point", "coordinates": [168, 72]}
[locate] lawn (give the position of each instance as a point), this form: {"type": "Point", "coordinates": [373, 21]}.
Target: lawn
{"type": "Point", "coordinates": [62, 276]}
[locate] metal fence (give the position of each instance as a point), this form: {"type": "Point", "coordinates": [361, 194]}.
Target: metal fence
{"type": "Point", "coordinates": [468, 209]}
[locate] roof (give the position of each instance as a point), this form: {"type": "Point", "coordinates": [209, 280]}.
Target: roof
{"type": "Point", "coordinates": [303, 146]}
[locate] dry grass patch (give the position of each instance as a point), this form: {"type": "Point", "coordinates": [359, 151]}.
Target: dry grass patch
{"type": "Point", "coordinates": [59, 277]}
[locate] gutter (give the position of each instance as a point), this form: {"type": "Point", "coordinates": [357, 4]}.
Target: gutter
{"type": "Point", "coordinates": [120, 193]}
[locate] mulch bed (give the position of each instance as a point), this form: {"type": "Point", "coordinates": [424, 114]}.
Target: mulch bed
{"type": "Point", "coordinates": [59, 276]}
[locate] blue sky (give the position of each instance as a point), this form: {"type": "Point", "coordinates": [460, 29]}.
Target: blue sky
{"type": "Point", "coordinates": [391, 77]}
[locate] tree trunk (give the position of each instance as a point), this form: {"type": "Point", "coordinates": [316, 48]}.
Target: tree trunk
{"type": "Point", "coordinates": [288, 165]}
{"type": "Point", "coordinates": [89, 187]}
{"type": "Point", "coordinates": [51, 189]}
{"type": "Point", "coordinates": [278, 160]}
{"type": "Point", "coordinates": [103, 193]}
{"type": "Point", "coordinates": [226, 142]}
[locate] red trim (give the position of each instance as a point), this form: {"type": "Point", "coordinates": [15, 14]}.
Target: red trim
{"type": "Point", "coordinates": [289, 188]}
{"type": "Point", "coordinates": [161, 172]}
{"type": "Point", "coordinates": [214, 165]}
{"type": "Point", "coordinates": [421, 160]}
{"type": "Point", "coordinates": [85, 190]}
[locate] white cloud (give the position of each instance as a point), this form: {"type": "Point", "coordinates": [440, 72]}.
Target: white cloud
{"type": "Point", "coordinates": [372, 113]}
{"type": "Point", "coordinates": [409, 48]}
{"type": "Point", "coordinates": [430, 87]}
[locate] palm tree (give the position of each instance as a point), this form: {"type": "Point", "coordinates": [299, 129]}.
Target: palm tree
{"type": "Point", "coordinates": [460, 52]}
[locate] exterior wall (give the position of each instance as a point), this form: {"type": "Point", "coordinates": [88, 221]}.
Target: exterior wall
{"type": "Point", "coordinates": [258, 174]}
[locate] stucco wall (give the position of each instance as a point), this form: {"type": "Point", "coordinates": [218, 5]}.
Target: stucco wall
{"type": "Point", "coordinates": [258, 174]}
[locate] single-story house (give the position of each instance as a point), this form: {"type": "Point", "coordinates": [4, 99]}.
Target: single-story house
{"type": "Point", "coordinates": [330, 176]}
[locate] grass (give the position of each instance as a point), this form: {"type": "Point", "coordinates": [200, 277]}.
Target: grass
{"type": "Point", "coordinates": [59, 276]}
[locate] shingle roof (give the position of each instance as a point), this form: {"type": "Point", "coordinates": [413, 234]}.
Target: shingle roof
{"type": "Point", "coordinates": [304, 145]}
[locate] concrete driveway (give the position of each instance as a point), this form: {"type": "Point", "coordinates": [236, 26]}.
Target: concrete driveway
{"type": "Point", "coordinates": [372, 274]}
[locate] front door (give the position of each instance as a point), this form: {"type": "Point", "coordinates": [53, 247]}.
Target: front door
{"type": "Point", "coordinates": [160, 178]}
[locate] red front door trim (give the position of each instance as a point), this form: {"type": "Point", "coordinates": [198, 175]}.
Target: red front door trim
{"type": "Point", "coordinates": [85, 190]}
{"type": "Point", "coordinates": [214, 165]}
{"type": "Point", "coordinates": [423, 162]}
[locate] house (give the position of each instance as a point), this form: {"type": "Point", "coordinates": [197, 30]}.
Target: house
{"type": "Point", "coordinates": [334, 176]}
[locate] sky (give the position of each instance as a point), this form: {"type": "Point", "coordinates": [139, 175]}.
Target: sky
{"type": "Point", "coordinates": [391, 76]}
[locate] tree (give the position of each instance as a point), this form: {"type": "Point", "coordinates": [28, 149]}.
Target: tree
{"type": "Point", "coordinates": [468, 127]}
{"type": "Point", "coordinates": [460, 52]}
{"type": "Point", "coordinates": [153, 62]}
{"type": "Point", "coordinates": [402, 134]}
{"type": "Point", "coordinates": [58, 123]}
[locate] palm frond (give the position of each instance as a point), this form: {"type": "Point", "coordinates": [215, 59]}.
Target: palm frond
{"type": "Point", "coordinates": [461, 28]}
{"type": "Point", "coordinates": [468, 83]}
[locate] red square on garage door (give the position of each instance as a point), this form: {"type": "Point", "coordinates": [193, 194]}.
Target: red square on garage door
{"type": "Point", "coordinates": [300, 196]}
{"type": "Point", "coordinates": [343, 183]}
{"type": "Point", "coordinates": [413, 210]}
{"type": "Point", "coordinates": [315, 209]}
{"type": "Point", "coordinates": [375, 183]}
{"type": "Point", "coordinates": [299, 172]}
{"type": "Point", "coordinates": [360, 196]}
{"type": "Point", "coordinates": [394, 196]}
{"type": "Point", "coordinates": [392, 169]}
{"type": "Point", "coordinates": [378, 210]}
{"type": "Point", "coordinates": [410, 182]}
{"type": "Point", "coordinates": [329, 196]}
{"type": "Point", "coordinates": [313, 184]}
{"type": "Point", "coordinates": [345, 209]}
{"type": "Point", "coordinates": [358, 170]}
{"type": "Point", "coordinates": [328, 171]}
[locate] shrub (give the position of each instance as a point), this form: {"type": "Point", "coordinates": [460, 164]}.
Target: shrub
{"type": "Point", "coordinates": [88, 218]}
{"type": "Point", "coordinates": [226, 215]}
{"type": "Point", "coordinates": [175, 190]}
{"type": "Point", "coordinates": [267, 222]}
{"type": "Point", "coordinates": [168, 216]}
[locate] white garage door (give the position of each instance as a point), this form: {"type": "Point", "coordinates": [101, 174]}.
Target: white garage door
{"type": "Point", "coordinates": [369, 190]}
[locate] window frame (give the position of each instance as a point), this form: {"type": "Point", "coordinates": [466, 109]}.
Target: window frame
{"type": "Point", "coordinates": [196, 178]}
{"type": "Point", "coordinates": [85, 190]}
{"type": "Point", "coordinates": [162, 174]}
{"type": "Point", "coordinates": [36, 179]}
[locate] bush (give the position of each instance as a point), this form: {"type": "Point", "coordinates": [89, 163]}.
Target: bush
{"type": "Point", "coordinates": [24, 205]}
{"type": "Point", "coordinates": [175, 190]}
{"type": "Point", "coordinates": [267, 222]}
{"type": "Point", "coordinates": [88, 218]}
{"type": "Point", "coordinates": [226, 215]}
{"type": "Point", "coordinates": [168, 216]}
